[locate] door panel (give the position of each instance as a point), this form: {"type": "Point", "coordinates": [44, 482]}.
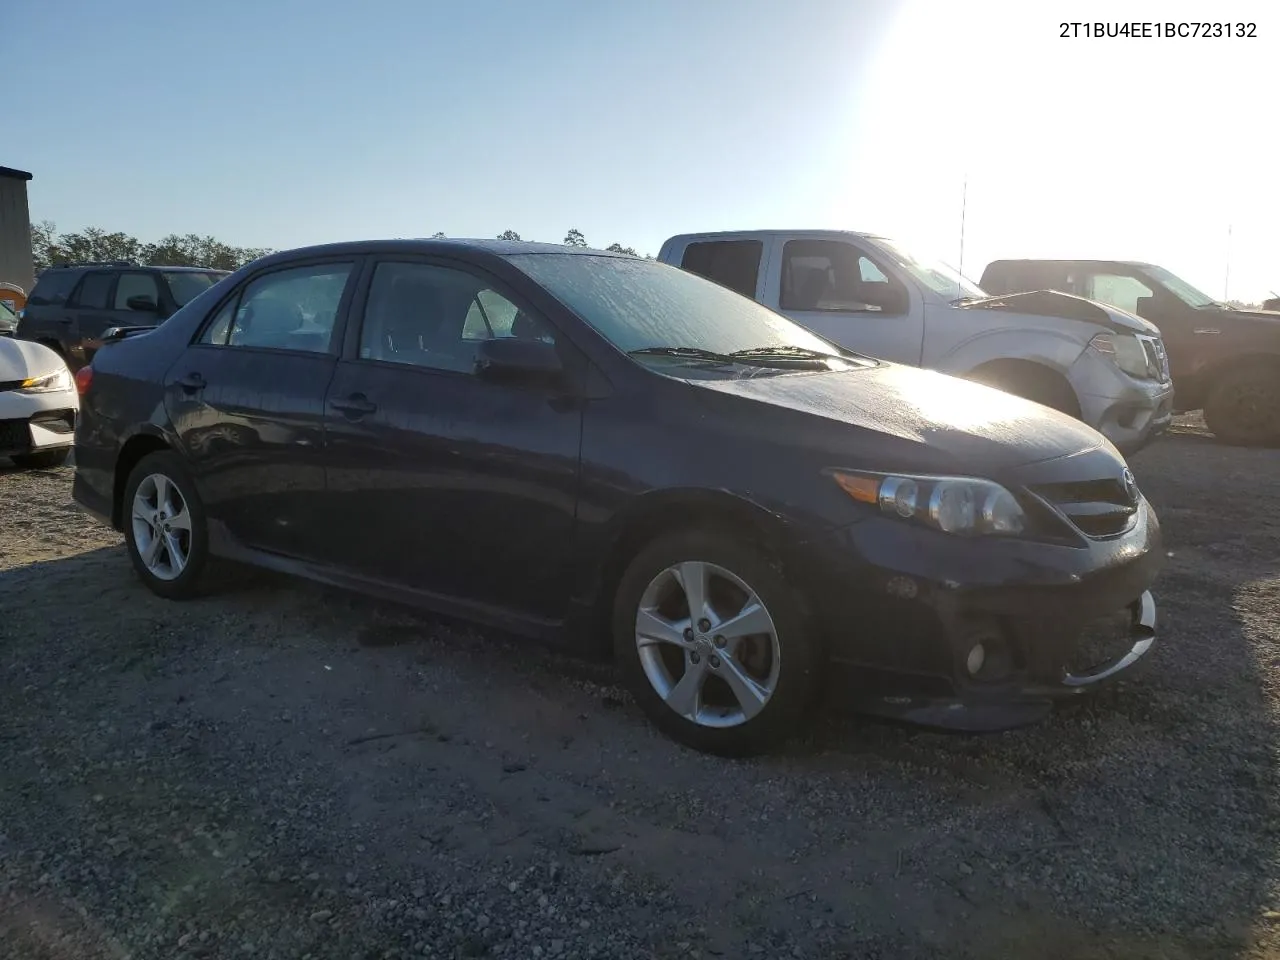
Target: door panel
{"type": "Point", "coordinates": [439, 480]}
{"type": "Point", "coordinates": [841, 292]}
{"type": "Point", "coordinates": [251, 425]}
{"type": "Point", "coordinates": [247, 402]}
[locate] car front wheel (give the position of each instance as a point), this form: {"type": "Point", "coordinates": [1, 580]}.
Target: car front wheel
{"type": "Point", "coordinates": [164, 526]}
{"type": "Point", "coordinates": [713, 643]}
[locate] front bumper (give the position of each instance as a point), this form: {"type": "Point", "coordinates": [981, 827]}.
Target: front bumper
{"type": "Point", "coordinates": [1127, 411]}
{"type": "Point", "coordinates": [31, 423]}
{"type": "Point", "coordinates": [901, 609]}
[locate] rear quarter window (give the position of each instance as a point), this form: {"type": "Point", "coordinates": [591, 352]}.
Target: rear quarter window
{"type": "Point", "coordinates": [52, 287]}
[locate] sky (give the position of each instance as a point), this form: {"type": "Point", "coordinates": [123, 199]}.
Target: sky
{"type": "Point", "coordinates": [280, 123]}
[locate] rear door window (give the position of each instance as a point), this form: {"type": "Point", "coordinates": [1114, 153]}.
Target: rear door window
{"type": "Point", "coordinates": [136, 285]}
{"type": "Point", "coordinates": [291, 309]}
{"type": "Point", "coordinates": [731, 263]}
{"type": "Point", "coordinates": [94, 291]}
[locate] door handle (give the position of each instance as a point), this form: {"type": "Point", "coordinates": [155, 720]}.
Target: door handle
{"type": "Point", "coordinates": [191, 382]}
{"type": "Point", "coordinates": [354, 406]}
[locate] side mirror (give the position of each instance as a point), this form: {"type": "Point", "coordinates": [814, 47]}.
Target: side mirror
{"type": "Point", "coordinates": [511, 359]}
{"type": "Point", "coordinates": [143, 304]}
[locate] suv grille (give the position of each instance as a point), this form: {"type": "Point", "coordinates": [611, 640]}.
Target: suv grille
{"type": "Point", "coordinates": [1157, 359]}
{"type": "Point", "coordinates": [1097, 508]}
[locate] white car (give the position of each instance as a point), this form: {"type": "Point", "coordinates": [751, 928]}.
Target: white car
{"type": "Point", "coordinates": [38, 404]}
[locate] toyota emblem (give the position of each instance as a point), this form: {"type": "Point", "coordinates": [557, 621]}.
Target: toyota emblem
{"type": "Point", "coordinates": [1130, 485]}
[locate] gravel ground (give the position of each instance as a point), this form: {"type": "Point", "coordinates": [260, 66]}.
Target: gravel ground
{"type": "Point", "coordinates": [281, 771]}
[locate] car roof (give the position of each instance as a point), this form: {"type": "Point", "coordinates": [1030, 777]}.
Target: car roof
{"type": "Point", "coordinates": [501, 248]}
{"type": "Point", "coordinates": [121, 265]}
{"type": "Point", "coordinates": [1125, 263]}
{"type": "Point", "coordinates": [766, 234]}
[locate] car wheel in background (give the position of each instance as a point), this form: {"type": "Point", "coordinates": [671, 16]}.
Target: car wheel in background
{"type": "Point", "coordinates": [43, 459]}
{"type": "Point", "coordinates": [1244, 406]}
{"type": "Point", "coordinates": [164, 526]}
{"type": "Point", "coordinates": [1031, 381]}
{"type": "Point", "coordinates": [713, 643]}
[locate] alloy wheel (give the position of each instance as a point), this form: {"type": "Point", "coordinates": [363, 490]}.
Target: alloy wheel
{"type": "Point", "coordinates": [707, 644]}
{"type": "Point", "coordinates": [161, 527]}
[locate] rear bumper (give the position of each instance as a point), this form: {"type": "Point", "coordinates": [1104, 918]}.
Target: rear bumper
{"type": "Point", "coordinates": [902, 608]}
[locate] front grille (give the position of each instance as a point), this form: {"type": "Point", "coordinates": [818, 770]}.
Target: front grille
{"type": "Point", "coordinates": [14, 436]}
{"type": "Point", "coordinates": [1157, 358]}
{"type": "Point", "coordinates": [1097, 508]}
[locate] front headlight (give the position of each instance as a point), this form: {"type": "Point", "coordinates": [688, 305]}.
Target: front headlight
{"type": "Point", "coordinates": [1125, 351]}
{"type": "Point", "coordinates": [50, 383]}
{"type": "Point", "coordinates": [966, 506]}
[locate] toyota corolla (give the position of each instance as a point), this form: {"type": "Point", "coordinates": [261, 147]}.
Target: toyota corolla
{"type": "Point", "coordinates": [596, 447]}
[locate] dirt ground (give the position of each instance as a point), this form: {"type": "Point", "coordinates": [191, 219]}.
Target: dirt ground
{"type": "Point", "coordinates": [281, 771]}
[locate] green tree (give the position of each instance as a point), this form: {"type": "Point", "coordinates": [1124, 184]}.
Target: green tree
{"type": "Point", "coordinates": [574, 238]}
{"type": "Point", "coordinates": [94, 243]}
{"type": "Point", "coordinates": [508, 235]}
{"type": "Point", "coordinates": [438, 235]}
{"type": "Point", "coordinates": [619, 248]}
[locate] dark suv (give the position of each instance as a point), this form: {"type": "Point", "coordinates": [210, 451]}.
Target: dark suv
{"type": "Point", "coordinates": [1223, 361]}
{"type": "Point", "coordinates": [73, 304]}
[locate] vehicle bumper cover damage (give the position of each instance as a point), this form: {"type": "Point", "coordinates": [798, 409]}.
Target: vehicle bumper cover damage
{"type": "Point", "coordinates": [903, 608]}
{"type": "Point", "coordinates": [1127, 411]}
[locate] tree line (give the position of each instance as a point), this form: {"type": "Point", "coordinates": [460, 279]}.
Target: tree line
{"type": "Point", "coordinates": [190, 250]}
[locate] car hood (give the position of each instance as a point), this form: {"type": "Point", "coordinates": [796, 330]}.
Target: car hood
{"type": "Point", "coordinates": [903, 418]}
{"type": "Point", "coordinates": [1051, 303]}
{"type": "Point", "coordinates": [20, 359]}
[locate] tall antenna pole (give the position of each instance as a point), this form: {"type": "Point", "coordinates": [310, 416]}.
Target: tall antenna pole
{"type": "Point", "coordinates": [964, 201]}
{"type": "Point", "coordinates": [1226, 283]}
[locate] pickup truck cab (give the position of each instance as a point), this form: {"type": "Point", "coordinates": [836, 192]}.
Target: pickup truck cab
{"type": "Point", "coordinates": [874, 296]}
{"type": "Point", "coordinates": [1224, 361]}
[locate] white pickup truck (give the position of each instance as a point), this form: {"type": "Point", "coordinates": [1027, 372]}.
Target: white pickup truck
{"type": "Point", "coordinates": [873, 296]}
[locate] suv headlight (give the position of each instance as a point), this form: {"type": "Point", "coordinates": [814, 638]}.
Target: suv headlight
{"type": "Point", "coordinates": [965, 506]}
{"type": "Point", "coordinates": [1125, 351]}
{"type": "Point", "coordinates": [55, 382]}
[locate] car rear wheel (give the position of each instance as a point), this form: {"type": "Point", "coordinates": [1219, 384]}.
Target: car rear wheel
{"type": "Point", "coordinates": [42, 459]}
{"type": "Point", "coordinates": [164, 526]}
{"type": "Point", "coordinates": [1244, 407]}
{"type": "Point", "coordinates": [713, 643]}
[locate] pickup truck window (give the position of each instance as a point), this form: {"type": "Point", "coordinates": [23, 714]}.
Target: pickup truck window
{"type": "Point", "coordinates": [835, 276]}
{"type": "Point", "coordinates": [731, 263]}
{"type": "Point", "coordinates": [1118, 290]}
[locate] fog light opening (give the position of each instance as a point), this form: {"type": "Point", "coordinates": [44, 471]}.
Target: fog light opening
{"type": "Point", "coordinates": [988, 657]}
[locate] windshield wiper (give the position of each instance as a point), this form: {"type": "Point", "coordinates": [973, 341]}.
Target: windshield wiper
{"type": "Point", "coordinates": [692, 353]}
{"type": "Point", "coordinates": [755, 356]}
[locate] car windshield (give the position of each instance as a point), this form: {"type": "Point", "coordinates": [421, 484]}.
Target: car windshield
{"type": "Point", "coordinates": [6, 313]}
{"type": "Point", "coordinates": [1179, 287]}
{"type": "Point", "coordinates": [645, 305]}
{"type": "Point", "coordinates": [934, 274]}
{"type": "Point", "coordinates": [186, 285]}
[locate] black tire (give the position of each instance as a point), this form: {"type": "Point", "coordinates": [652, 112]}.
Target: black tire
{"type": "Point", "coordinates": [43, 459]}
{"type": "Point", "coordinates": [187, 583]}
{"type": "Point", "coordinates": [1243, 407]}
{"type": "Point", "coordinates": [1031, 382]}
{"type": "Point", "coordinates": [800, 653]}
